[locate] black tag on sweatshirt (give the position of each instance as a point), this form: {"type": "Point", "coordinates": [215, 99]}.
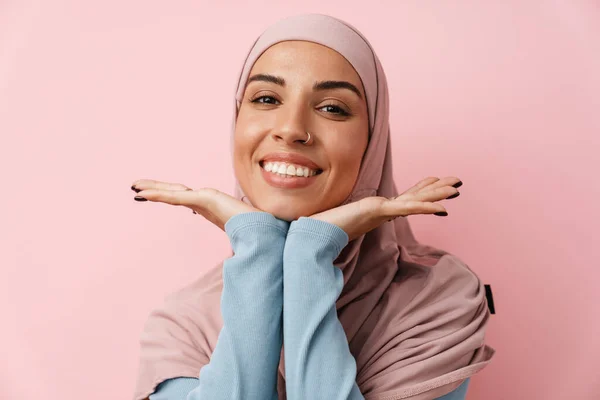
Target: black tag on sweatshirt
{"type": "Point", "coordinates": [490, 299]}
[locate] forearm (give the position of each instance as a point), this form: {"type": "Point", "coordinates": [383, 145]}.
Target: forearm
{"type": "Point", "coordinates": [245, 359]}
{"type": "Point", "coordinates": [318, 361]}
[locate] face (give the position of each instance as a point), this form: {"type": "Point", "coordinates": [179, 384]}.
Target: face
{"type": "Point", "coordinates": [297, 87]}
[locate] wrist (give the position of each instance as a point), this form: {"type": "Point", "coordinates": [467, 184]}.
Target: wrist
{"type": "Point", "coordinates": [254, 220]}
{"type": "Point", "coordinates": [320, 232]}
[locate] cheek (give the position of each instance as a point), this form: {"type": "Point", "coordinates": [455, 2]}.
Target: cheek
{"type": "Point", "coordinates": [345, 157]}
{"type": "Point", "coordinates": [242, 151]}
{"type": "Point", "coordinates": [251, 124]}
{"type": "Point", "coordinates": [348, 172]}
{"type": "Point", "coordinates": [347, 150]}
{"type": "Point", "coordinates": [246, 136]}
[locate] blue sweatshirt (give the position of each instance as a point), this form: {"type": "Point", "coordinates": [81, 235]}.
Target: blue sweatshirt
{"type": "Point", "coordinates": [270, 255]}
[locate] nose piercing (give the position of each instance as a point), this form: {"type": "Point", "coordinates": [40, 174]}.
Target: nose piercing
{"type": "Point", "coordinates": [307, 140]}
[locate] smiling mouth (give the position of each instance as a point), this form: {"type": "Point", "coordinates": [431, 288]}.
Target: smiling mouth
{"type": "Point", "coordinates": [288, 170]}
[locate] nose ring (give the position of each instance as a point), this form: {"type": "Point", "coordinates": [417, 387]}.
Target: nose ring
{"type": "Point", "coordinates": [307, 140]}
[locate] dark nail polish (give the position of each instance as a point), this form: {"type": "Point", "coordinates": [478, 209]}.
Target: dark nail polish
{"type": "Point", "coordinates": [455, 195]}
{"type": "Point", "coordinates": [457, 184]}
{"type": "Point", "coordinates": [139, 198]}
{"type": "Point", "coordinates": [441, 214]}
{"type": "Point", "coordinates": [136, 189]}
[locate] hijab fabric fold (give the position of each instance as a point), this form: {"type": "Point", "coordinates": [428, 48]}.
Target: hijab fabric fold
{"type": "Point", "coordinates": [414, 315]}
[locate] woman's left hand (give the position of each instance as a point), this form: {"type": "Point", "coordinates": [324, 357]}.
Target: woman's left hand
{"type": "Point", "coordinates": [362, 216]}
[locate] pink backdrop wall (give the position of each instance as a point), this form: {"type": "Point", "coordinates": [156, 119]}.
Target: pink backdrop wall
{"type": "Point", "coordinates": [94, 95]}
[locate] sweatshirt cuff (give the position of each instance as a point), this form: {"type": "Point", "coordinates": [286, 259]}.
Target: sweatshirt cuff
{"type": "Point", "coordinates": [174, 388]}
{"type": "Point", "coordinates": [317, 228]}
{"type": "Point", "coordinates": [252, 220]}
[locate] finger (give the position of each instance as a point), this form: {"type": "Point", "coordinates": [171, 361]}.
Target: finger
{"type": "Point", "coordinates": [144, 184]}
{"type": "Point", "coordinates": [412, 207]}
{"type": "Point", "coordinates": [188, 198]}
{"type": "Point", "coordinates": [436, 194]}
{"type": "Point", "coordinates": [421, 184]}
{"type": "Point", "coordinates": [447, 181]}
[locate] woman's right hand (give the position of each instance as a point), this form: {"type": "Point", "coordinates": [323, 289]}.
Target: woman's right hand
{"type": "Point", "coordinates": [215, 206]}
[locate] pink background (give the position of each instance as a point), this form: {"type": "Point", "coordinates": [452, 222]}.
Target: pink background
{"type": "Point", "coordinates": [94, 95]}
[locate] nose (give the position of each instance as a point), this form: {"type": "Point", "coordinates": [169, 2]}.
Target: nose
{"type": "Point", "coordinates": [291, 129]}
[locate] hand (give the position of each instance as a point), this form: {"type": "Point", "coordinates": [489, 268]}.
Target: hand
{"type": "Point", "coordinates": [362, 216]}
{"type": "Point", "coordinates": [215, 206]}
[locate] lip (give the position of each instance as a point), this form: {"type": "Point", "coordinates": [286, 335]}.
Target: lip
{"type": "Point", "coordinates": [291, 158]}
{"type": "Point", "coordinates": [288, 182]}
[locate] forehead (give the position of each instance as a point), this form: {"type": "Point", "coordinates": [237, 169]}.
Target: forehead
{"type": "Point", "coordinates": [308, 60]}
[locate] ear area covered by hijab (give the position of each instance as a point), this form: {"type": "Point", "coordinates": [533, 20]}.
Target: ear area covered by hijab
{"type": "Point", "coordinates": [414, 315]}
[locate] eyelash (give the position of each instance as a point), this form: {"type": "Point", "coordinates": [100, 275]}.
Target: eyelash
{"type": "Point", "coordinates": [341, 112]}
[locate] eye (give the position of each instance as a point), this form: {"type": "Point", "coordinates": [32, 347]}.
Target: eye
{"type": "Point", "coordinates": [265, 100]}
{"type": "Point", "coordinates": [333, 109]}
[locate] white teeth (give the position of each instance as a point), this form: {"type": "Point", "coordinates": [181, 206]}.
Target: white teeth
{"type": "Point", "coordinates": [283, 169]}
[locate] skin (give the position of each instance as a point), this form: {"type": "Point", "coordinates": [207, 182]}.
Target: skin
{"type": "Point", "coordinates": [274, 118]}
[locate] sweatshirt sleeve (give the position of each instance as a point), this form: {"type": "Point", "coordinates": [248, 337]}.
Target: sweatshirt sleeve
{"type": "Point", "coordinates": [178, 388]}
{"type": "Point", "coordinates": [246, 356]}
{"type": "Point", "coordinates": [459, 393]}
{"type": "Point", "coordinates": [317, 358]}
{"type": "Point", "coordinates": [174, 389]}
{"type": "Point", "coordinates": [318, 362]}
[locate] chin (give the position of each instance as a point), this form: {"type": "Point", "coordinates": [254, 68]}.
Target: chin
{"type": "Point", "coordinates": [285, 211]}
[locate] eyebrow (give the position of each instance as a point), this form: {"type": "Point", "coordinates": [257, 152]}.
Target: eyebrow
{"type": "Point", "coordinates": [267, 78]}
{"type": "Point", "coordinates": [325, 85]}
{"type": "Point", "coordinates": [318, 86]}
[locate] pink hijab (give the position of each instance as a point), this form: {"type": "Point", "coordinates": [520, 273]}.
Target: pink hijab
{"type": "Point", "coordinates": [414, 315]}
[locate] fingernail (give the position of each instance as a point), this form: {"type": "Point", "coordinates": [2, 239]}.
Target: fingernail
{"type": "Point", "coordinates": [457, 184]}
{"type": "Point", "coordinates": [441, 214]}
{"type": "Point", "coordinates": [139, 198]}
{"type": "Point", "coordinates": [136, 189]}
{"type": "Point", "coordinates": [455, 195]}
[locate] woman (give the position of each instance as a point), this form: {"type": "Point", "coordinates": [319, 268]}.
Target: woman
{"type": "Point", "coordinates": [328, 295]}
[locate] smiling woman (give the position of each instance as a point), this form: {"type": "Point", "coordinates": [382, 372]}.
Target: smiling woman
{"type": "Point", "coordinates": [323, 256]}
{"type": "Point", "coordinates": [291, 92]}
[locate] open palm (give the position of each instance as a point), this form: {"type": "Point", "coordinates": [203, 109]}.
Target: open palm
{"type": "Point", "coordinates": [215, 206]}
{"type": "Point", "coordinates": [362, 216]}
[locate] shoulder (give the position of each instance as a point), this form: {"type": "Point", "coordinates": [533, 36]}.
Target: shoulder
{"type": "Point", "coordinates": [432, 321]}
{"type": "Point", "coordinates": [188, 314]}
{"type": "Point", "coordinates": [437, 280]}
{"type": "Point", "coordinates": [178, 337]}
